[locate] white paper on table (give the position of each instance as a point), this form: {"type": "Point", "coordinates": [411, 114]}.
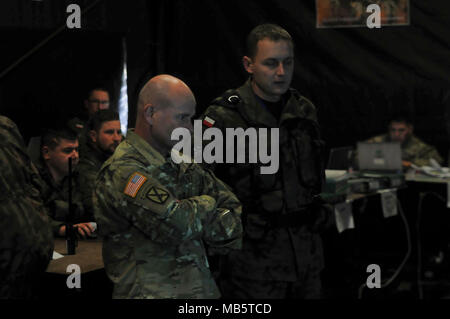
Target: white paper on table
{"type": "Point", "coordinates": [344, 216]}
{"type": "Point", "coordinates": [448, 195]}
{"type": "Point", "coordinates": [56, 255]}
{"type": "Point", "coordinates": [389, 202]}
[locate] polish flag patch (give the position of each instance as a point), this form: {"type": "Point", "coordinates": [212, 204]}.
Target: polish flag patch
{"type": "Point", "coordinates": [207, 121]}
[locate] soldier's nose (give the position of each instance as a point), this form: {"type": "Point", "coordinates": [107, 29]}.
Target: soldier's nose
{"type": "Point", "coordinates": [280, 69]}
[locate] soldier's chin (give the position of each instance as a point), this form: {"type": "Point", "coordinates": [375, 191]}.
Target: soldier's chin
{"type": "Point", "coordinates": [280, 89]}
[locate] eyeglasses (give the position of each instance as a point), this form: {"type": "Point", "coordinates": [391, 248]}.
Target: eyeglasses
{"type": "Point", "coordinates": [105, 103]}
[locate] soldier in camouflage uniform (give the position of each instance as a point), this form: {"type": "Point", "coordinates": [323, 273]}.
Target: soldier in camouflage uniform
{"type": "Point", "coordinates": [103, 138]}
{"type": "Point", "coordinates": [157, 218]}
{"type": "Point", "coordinates": [282, 251]}
{"type": "Point", "coordinates": [26, 241]}
{"type": "Point", "coordinates": [97, 99]}
{"type": "Point", "coordinates": [57, 147]}
{"type": "Point", "coordinates": [414, 150]}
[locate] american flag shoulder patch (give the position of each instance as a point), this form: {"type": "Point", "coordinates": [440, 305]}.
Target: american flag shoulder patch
{"type": "Point", "coordinates": [134, 184]}
{"type": "Point", "coordinates": [209, 122]}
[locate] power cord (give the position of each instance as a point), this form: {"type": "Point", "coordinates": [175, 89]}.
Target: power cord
{"type": "Point", "coordinates": [405, 259]}
{"type": "Point", "coordinates": [422, 195]}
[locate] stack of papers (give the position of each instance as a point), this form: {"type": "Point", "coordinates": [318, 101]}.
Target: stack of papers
{"type": "Point", "coordinates": [435, 170]}
{"type": "Point", "coordinates": [443, 172]}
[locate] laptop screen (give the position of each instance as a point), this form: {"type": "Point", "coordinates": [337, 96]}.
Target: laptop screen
{"type": "Point", "coordinates": [379, 156]}
{"type": "Point", "coordinates": [340, 158]}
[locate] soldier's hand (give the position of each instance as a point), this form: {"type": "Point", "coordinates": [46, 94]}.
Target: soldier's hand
{"type": "Point", "coordinates": [406, 164]}
{"type": "Point", "coordinates": [84, 229]}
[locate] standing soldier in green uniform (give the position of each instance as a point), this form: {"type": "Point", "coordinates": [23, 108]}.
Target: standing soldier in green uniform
{"type": "Point", "coordinates": [282, 251]}
{"type": "Point", "coordinates": [26, 241]}
{"type": "Point", "coordinates": [156, 217]}
{"type": "Point", "coordinates": [104, 135]}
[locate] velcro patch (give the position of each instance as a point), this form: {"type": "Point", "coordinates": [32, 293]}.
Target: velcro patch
{"type": "Point", "coordinates": [157, 195]}
{"type": "Point", "coordinates": [134, 184]}
{"type": "Point", "coordinates": [209, 122]}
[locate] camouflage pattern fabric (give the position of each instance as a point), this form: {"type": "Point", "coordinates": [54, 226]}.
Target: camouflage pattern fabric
{"type": "Point", "coordinates": [414, 150]}
{"type": "Point", "coordinates": [26, 241]}
{"type": "Point", "coordinates": [90, 163]}
{"type": "Point", "coordinates": [56, 199]}
{"type": "Point", "coordinates": [157, 218]}
{"type": "Point", "coordinates": [280, 214]}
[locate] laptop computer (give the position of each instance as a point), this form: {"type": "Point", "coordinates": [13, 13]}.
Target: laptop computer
{"type": "Point", "coordinates": [380, 157]}
{"type": "Point", "coordinates": [340, 158]}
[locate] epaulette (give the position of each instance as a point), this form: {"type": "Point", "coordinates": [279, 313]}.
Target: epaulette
{"type": "Point", "coordinates": [309, 108]}
{"type": "Point", "coordinates": [228, 99]}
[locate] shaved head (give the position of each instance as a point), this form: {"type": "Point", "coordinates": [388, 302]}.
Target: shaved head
{"type": "Point", "coordinates": [165, 103]}
{"type": "Point", "coordinates": [162, 91]}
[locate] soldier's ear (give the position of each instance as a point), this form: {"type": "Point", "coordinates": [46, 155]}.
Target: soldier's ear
{"type": "Point", "coordinates": [45, 151]}
{"type": "Point", "coordinates": [93, 136]}
{"type": "Point", "coordinates": [248, 64]}
{"type": "Point", "coordinates": [149, 110]}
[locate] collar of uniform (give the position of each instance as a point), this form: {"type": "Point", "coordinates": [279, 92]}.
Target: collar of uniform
{"type": "Point", "coordinates": [94, 153]}
{"type": "Point", "coordinates": [297, 107]}
{"type": "Point", "coordinates": [145, 149]}
{"type": "Point", "coordinates": [48, 178]}
{"type": "Point", "coordinates": [45, 173]}
{"type": "Point", "coordinates": [252, 107]}
{"type": "Point", "coordinates": [410, 140]}
{"type": "Point", "coordinates": [255, 113]}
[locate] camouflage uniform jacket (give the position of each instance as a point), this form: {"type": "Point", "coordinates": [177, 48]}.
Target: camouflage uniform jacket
{"type": "Point", "coordinates": [277, 217]}
{"type": "Point", "coordinates": [56, 199]}
{"type": "Point", "coordinates": [414, 150]}
{"type": "Point", "coordinates": [156, 217]}
{"type": "Point", "coordinates": [26, 241]}
{"type": "Point", "coordinates": [90, 163]}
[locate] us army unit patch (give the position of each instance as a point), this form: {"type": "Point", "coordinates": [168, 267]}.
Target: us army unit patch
{"type": "Point", "coordinates": [134, 184]}
{"type": "Point", "coordinates": [157, 195]}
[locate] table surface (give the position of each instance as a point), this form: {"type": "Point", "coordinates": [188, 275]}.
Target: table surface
{"type": "Point", "coordinates": [426, 179]}
{"type": "Point", "coordinates": [88, 255]}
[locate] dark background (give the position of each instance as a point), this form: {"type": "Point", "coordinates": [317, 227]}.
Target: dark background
{"type": "Point", "coordinates": [356, 77]}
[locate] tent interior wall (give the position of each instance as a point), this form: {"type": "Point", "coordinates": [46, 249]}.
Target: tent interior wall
{"type": "Point", "coordinates": [356, 77]}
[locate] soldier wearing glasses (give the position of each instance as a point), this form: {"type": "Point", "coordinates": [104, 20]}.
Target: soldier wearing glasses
{"type": "Point", "coordinates": [96, 99]}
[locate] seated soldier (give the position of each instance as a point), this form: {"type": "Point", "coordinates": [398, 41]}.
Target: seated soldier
{"type": "Point", "coordinates": [26, 241]}
{"type": "Point", "coordinates": [97, 99]}
{"type": "Point", "coordinates": [414, 150]}
{"type": "Point", "coordinates": [103, 138]}
{"type": "Point", "coordinates": [57, 147]}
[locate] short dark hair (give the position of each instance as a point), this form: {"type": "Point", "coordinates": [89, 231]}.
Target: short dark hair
{"type": "Point", "coordinates": [401, 118]}
{"type": "Point", "coordinates": [271, 31]}
{"type": "Point", "coordinates": [97, 88]}
{"type": "Point", "coordinates": [95, 123]}
{"type": "Point", "coordinates": [52, 137]}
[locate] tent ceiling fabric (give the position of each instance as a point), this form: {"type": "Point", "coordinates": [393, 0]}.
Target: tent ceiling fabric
{"type": "Point", "coordinates": [357, 77]}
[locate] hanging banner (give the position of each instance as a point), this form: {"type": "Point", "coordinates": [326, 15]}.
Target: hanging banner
{"type": "Point", "coordinates": [361, 13]}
